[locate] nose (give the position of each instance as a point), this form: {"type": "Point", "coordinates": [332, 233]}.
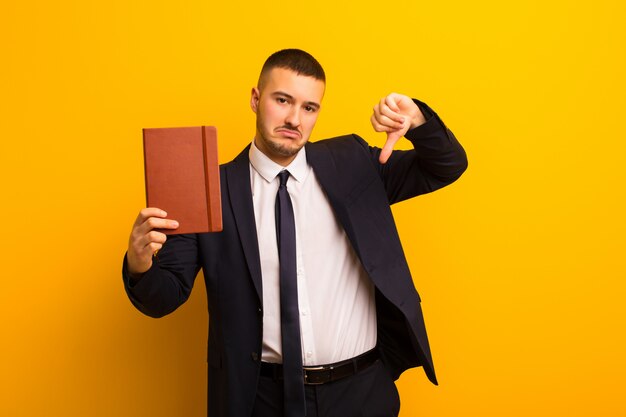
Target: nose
{"type": "Point", "coordinates": [293, 117]}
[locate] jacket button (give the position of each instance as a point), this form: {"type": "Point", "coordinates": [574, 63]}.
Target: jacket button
{"type": "Point", "coordinates": [260, 311]}
{"type": "Point", "coordinates": [255, 356]}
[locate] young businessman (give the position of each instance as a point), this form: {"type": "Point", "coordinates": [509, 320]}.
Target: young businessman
{"type": "Point", "coordinates": [312, 308]}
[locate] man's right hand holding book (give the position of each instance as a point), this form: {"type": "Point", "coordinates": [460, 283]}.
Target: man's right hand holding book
{"type": "Point", "coordinates": [144, 241]}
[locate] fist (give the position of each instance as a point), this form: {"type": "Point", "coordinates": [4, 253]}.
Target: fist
{"type": "Point", "coordinates": [395, 115]}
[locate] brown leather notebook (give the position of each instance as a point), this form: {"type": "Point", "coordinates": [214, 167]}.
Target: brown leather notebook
{"type": "Point", "coordinates": [183, 177]}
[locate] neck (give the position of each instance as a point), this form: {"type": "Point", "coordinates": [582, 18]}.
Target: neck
{"type": "Point", "coordinates": [282, 160]}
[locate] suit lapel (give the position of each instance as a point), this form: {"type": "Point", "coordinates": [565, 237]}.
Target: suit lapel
{"type": "Point", "coordinates": [240, 195]}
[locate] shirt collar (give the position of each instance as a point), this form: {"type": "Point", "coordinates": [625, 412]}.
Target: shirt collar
{"type": "Point", "coordinates": [268, 169]}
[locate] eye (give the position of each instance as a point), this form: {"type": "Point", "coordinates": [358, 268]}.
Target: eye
{"type": "Point", "coordinates": [281, 100]}
{"type": "Point", "coordinates": [309, 109]}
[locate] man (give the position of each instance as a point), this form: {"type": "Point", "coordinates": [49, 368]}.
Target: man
{"type": "Point", "coordinates": [312, 308]}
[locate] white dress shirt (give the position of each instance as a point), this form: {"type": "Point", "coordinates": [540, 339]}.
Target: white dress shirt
{"type": "Point", "coordinates": [335, 295]}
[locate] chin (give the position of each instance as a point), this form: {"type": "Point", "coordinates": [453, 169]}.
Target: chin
{"type": "Point", "coordinates": [286, 149]}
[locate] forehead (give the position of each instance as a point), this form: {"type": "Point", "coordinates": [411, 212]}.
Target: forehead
{"type": "Point", "coordinates": [301, 87]}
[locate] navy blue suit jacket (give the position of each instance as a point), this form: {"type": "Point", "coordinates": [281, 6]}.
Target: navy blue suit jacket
{"type": "Point", "coordinates": [360, 191]}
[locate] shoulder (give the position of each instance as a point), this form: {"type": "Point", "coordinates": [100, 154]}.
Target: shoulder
{"type": "Point", "coordinates": [347, 153]}
{"type": "Point", "coordinates": [339, 144]}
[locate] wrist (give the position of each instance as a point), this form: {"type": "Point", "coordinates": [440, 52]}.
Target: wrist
{"type": "Point", "coordinates": [135, 268]}
{"type": "Point", "coordinates": [418, 119]}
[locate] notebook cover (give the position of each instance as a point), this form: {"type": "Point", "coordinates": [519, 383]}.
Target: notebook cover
{"type": "Point", "coordinates": [182, 177]}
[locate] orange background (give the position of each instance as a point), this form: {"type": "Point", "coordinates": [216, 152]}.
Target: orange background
{"type": "Point", "coordinates": [520, 263]}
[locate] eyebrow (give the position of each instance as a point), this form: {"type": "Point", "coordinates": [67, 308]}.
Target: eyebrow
{"type": "Point", "coordinates": [289, 96]}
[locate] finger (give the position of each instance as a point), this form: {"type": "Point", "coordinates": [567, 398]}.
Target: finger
{"type": "Point", "coordinates": [156, 237]}
{"type": "Point", "coordinates": [158, 223]}
{"type": "Point", "coordinates": [391, 112]}
{"type": "Point", "coordinates": [148, 212]}
{"type": "Point", "coordinates": [378, 127]}
{"type": "Point", "coordinates": [384, 116]}
{"type": "Point", "coordinates": [143, 253]}
{"type": "Point", "coordinates": [146, 245]}
{"type": "Point", "coordinates": [141, 240]}
{"type": "Point", "coordinates": [386, 121]}
{"type": "Point", "coordinates": [385, 153]}
{"type": "Point", "coordinates": [155, 223]}
{"type": "Point", "coordinates": [392, 101]}
{"type": "Point", "coordinates": [152, 248]}
{"type": "Point", "coordinates": [376, 110]}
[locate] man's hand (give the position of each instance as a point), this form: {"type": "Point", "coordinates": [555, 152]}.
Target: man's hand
{"type": "Point", "coordinates": [395, 114]}
{"type": "Point", "coordinates": [144, 242]}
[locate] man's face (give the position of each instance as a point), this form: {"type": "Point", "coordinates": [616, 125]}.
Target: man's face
{"type": "Point", "coordinates": [286, 110]}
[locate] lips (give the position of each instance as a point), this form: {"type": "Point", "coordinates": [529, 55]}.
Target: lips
{"type": "Point", "coordinates": [291, 134]}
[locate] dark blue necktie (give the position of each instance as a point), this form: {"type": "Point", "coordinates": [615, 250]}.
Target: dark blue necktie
{"type": "Point", "coordinates": [289, 314]}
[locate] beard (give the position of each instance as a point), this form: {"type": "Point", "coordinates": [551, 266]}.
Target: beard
{"type": "Point", "coordinates": [283, 149]}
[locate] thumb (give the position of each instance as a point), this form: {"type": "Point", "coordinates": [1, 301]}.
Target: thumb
{"type": "Point", "coordinates": [385, 153]}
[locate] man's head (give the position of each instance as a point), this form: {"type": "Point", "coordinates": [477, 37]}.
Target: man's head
{"type": "Point", "coordinates": [287, 101]}
{"type": "Point", "coordinates": [296, 60]}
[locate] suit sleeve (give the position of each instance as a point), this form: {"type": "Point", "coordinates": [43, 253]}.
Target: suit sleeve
{"type": "Point", "coordinates": [168, 283]}
{"type": "Point", "coordinates": [437, 160]}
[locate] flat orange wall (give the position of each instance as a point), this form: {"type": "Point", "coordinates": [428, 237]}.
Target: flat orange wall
{"type": "Point", "coordinates": [520, 263]}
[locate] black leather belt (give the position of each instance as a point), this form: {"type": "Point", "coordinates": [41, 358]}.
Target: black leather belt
{"type": "Point", "coordinates": [316, 375]}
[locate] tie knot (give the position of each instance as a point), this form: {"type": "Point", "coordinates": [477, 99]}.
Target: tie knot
{"type": "Point", "coordinates": [283, 176]}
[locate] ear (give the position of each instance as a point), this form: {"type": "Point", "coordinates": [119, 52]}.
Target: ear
{"type": "Point", "coordinates": [254, 99]}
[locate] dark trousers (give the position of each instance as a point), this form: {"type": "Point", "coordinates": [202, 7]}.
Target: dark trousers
{"type": "Point", "coordinates": [368, 393]}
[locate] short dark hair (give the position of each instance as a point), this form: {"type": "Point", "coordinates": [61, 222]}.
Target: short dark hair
{"type": "Point", "coordinates": [297, 60]}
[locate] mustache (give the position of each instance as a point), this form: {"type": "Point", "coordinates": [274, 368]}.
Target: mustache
{"type": "Point", "coordinates": [288, 127]}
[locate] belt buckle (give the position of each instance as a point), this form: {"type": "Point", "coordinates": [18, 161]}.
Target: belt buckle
{"type": "Point", "coordinates": [315, 368]}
